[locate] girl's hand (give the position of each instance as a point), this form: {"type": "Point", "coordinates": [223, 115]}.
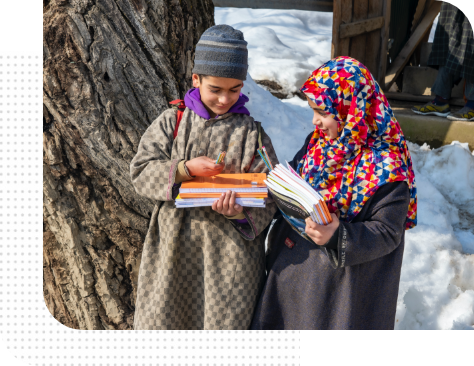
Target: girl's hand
{"type": "Point", "coordinates": [321, 233]}
{"type": "Point", "coordinates": [204, 167]}
{"type": "Point", "coordinates": [226, 205]}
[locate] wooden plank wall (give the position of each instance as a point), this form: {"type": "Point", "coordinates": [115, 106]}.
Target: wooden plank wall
{"type": "Point", "coordinates": [367, 47]}
{"type": "Point", "coordinates": [373, 39]}
{"type": "Point", "coordinates": [357, 49]}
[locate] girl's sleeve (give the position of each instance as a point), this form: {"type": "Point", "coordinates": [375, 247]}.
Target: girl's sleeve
{"type": "Point", "coordinates": [258, 219]}
{"type": "Point", "coordinates": [377, 235]}
{"type": "Point", "coordinates": [152, 170]}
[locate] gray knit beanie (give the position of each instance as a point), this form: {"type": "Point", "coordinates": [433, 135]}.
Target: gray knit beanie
{"type": "Point", "coordinates": [221, 51]}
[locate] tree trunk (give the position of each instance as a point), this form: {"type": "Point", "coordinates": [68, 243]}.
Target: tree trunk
{"type": "Point", "coordinates": [110, 68]}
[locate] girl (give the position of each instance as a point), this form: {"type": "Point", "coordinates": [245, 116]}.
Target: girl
{"type": "Point", "coordinates": [358, 160]}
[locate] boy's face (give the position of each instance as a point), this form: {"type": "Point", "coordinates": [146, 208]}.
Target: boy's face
{"type": "Point", "coordinates": [218, 94]}
{"type": "Point", "coordinates": [324, 121]}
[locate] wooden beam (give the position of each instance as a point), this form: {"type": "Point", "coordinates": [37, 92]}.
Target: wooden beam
{"type": "Point", "coordinates": [420, 9]}
{"type": "Point", "coordinates": [313, 5]}
{"type": "Point", "coordinates": [420, 98]}
{"type": "Point", "coordinates": [373, 45]}
{"type": "Point", "coordinates": [346, 17]}
{"type": "Point", "coordinates": [342, 13]}
{"type": "Point", "coordinates": [359, 12]}
{"type": "Point", "coordinates": [415, 39]}
{"type": "Point", "coordinates": [361, 27]}
{"type": "Point", "coordinates": [384, 33]}
{"type": "Point", "coordinates": [336, 22]}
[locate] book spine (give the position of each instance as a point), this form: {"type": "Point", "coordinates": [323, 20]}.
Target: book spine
{"type": "Point", "coordinates": [268, 158]}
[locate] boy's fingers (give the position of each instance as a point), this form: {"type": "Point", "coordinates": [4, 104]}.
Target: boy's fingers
{"type": "Point", "coordinates": [234, 205]}
{"type": "Point", "coordinates": [232, 199]}
{"type": "Point", "coordinates": [219, 203]}
{"type": "Point", "coordinates": [225, 204]}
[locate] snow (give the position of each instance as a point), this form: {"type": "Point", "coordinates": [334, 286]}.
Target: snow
{"type": "Point", "coordinates": [437, 280]}
{"type": "Point", "coordinates": [279, 118]}
{"type": "Point", "coordinates": [284, 45]}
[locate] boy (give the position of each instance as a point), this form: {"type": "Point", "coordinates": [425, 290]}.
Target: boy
{"type": "Point", "coordinates": [202, 267]}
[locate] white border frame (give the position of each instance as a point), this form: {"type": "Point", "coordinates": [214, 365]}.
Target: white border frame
{"type": "Point", "coordinates": [28, 329]}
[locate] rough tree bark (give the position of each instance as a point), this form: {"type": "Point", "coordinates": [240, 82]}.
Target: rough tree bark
{"type": "Point", "coordinates": [110, 68]}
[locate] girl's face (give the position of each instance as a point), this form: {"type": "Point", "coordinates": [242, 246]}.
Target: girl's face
{"type": "Point", "coordinates": [323, 121]}
{"type": "Point", "coordinates": [218, 94]}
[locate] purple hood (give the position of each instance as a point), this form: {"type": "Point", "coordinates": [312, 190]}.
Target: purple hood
{"type": "Point", "coordinates": [192, 99]}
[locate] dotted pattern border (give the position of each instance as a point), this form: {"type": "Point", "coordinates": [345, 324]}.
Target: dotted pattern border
{"type": "Point", "coordinates": [27, 328]}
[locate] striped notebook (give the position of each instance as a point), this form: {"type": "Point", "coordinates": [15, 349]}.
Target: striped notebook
{"type": "Point", "coordinates": [246, 185]}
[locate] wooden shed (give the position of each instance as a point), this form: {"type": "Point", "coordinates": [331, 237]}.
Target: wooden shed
{"type": "Point", "coordinates": [382, 34]}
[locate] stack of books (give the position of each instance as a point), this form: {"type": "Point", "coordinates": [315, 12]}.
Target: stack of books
{"type": "Point", "coordinates": [296, 199]}
{"type": "Point", "coordinates": [250, 189]}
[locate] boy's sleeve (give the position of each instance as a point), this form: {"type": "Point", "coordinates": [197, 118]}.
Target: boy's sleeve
{"type": "Point", "coordinates": [375, 236]}
{"type": "Point", "coordinates": [258, 218]}
{"type": "Point", "coordinates": [152, 170]}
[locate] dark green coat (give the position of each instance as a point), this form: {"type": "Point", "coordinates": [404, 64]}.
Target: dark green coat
{"type": "Point", "coordinates": [453, 45]}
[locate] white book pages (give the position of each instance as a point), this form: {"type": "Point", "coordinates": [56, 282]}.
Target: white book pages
{"type": "Point", "coordinates": [219, 190]}
{"type": "Point", "coordinates": [197, 199]}
{"type": "Point", "coordinates": [300, 196]}
{"type": "Point", "coordinates": [271, 183]}
{"type": "Point", "coordinates": [291, 181]}
{"type": "Point", "coordinates": [279, 189]}
{"type": "Point", "coordinates": [309, 199]}
{"type": "Point", "coordinates": [208, 204]}
{"type": "Point", "coordinates": [238, 200]}
{"type": "Point", "coordinates": [300, 182]}
{"type": "Point", "coordinates": [306, 183]}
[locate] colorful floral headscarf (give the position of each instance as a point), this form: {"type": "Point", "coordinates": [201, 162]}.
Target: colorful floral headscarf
{"type": "Point", "coordinates": [370, 150]}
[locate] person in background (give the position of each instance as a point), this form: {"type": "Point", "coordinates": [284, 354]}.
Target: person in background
{"type": "Point", "coordinates": [453, 55]}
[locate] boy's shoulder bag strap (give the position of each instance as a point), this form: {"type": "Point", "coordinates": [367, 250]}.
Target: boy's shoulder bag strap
{"type": "Point", "coordinates": [180, 106]}
{"type": "Point", "coordinates": [259, 129]}
{"type": "Point", "coordinates": [259, 141]}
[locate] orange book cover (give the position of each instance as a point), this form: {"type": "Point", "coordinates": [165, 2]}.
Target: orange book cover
{"type": "Point", "coordinates": [218, 194]}
{"type": "Point", "coordinates": [224, 181]}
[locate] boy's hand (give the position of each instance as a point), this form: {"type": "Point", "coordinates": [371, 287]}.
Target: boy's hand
{"type": "Point", "coordinates": [321, 233]}
{"type": "Point", "coordinates": [204, 167]}
{"type": "Point", "coordinates": [226, 205]}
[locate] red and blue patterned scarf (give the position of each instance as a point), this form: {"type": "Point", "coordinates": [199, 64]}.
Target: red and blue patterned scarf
{"type": "Point", "coordinates": [370, 150]}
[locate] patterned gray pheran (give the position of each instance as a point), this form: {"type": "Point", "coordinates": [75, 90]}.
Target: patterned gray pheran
{"type": "Point", "coordinates": [199, 270]}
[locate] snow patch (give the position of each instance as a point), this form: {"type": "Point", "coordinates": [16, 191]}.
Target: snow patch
{"type": "Point", "coordinates": [285, 46]}
{"type": "Point", "coordinates": [287, 124]}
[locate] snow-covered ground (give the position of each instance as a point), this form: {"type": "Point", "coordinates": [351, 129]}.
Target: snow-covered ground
{"type": "Point", "coordinates": [437, 283]}
{"type": "Point", "coordinates": [284, 45]}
